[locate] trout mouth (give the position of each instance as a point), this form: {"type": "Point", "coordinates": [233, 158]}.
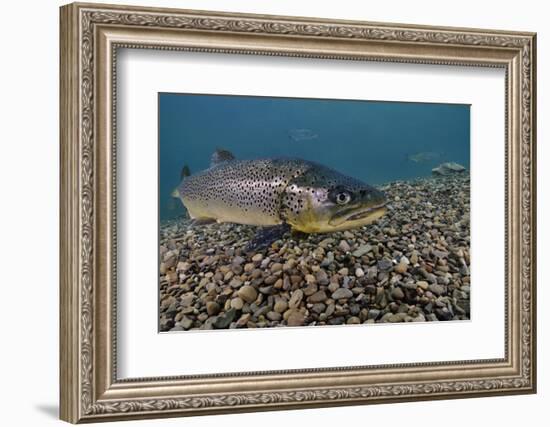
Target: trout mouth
{"type": "Point", "coordinates": [374, 212]}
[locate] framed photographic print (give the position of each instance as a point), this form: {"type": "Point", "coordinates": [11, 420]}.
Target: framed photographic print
{"type": "Point", "coordinates": [266, 212]}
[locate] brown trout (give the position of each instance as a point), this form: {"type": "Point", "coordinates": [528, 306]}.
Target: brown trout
{"type": "Point", "coordinates": [304, 195]}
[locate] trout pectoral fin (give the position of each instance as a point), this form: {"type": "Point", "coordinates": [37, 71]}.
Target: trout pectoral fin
{"type": "Point", "coordinates": [266, 236]}
{"type": "Point", "coordinates": [298, 234]}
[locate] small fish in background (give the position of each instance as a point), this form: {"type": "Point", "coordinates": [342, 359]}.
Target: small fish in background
{"type": "Point", "coordinates": [424, 157]}
{"type": "Point", "coordinates": [449, 168]}
{"type": "Point", "coordinates": [280, 194]}
{"type": "Point", "coordinates": [302, 134]}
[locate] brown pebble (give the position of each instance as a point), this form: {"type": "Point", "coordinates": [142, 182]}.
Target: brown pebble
{"type": "Point", "coordinates": [243, 320]}
{"type": "Point", "coordinates": [353, 321]}
{"type": "Point", "coordinates": [333, 286]}
{"type": "Point", "coordinates": [295, 319]}
{"type": "Point", "coordinates": [274, 315]}
{"type": "Point", "coordinates": [343, 271]}
{"type": "Point", "coordinates": [276, 267]}
{"type": "Point", "coordinates": [248, 293]}
{"type": "Point", "coordinates": [310, 289]}
{"type": "Point", "coordinates": [344, 246]}
{"type": "Point", "coordinates": [280, 306]}
{"type": "Point", "coordinates": [235, 283]}
{"type": "Point", "coordinates": [310, 278]}
{"type": "Point", "coordinates": [296, 298]}
{"type": "Point", "coordinates": [237, 303]}
{"type": "Point", "coordinates": [171, 277]}
{"type": "Point", "coordinates": [397, 293]}
{"type": "Point", "coordinates": [318, 296]}
{"type": "Point", "coordinates": [422, 284]}
{"type": "Point", "coordinates": [400, 268]}
{"type": "Point", "coordinates": [212, 308]}
{"type": "Point", "coordinates": [295, 279]}
{"type": "Point", "coordinates": [270, 280]}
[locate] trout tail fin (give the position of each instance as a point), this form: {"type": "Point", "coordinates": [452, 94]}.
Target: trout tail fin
{"type": "Point", "coordinates": [185, 172]}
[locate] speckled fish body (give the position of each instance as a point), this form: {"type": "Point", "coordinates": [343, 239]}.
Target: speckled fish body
{"type": "Point", "coordinates": [308, 196]}
{"type": "Point", "coordinates": [240, 191]}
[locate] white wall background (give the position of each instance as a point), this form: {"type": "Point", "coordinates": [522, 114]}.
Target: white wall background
{"type": "Point", "coordinates": [29, 170]}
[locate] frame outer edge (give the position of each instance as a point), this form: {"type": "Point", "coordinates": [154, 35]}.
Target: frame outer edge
{"type": "Point", "coordinates": [533, 207]}
{"type": "Point", "coordinates": [69, 356]}
{"type": "Point", "coordinates": [291, 18]}
{"type": "Point", "coordinates": [78, 340]}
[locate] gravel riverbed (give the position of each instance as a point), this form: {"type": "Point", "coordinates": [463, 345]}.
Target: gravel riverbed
{"type": "Point", "coordinates": [412, 265]}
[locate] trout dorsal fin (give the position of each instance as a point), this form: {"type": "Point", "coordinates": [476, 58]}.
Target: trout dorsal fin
{"type": "Point", "coordinates": [220, 156]}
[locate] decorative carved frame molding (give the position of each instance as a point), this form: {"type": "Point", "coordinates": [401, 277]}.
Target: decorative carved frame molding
{"type": "Point", "coordinates": [90, 36]}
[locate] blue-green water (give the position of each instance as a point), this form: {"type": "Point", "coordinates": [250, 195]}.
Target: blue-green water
{"type": "Point", "coordinates": [374, 141]}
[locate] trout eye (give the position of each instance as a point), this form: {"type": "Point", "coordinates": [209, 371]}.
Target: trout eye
{"type": "Point", "coordinates": [343, 197]}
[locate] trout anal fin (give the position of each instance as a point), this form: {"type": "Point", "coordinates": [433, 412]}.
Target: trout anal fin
{"type": "Point", "coordinates": [202, 221]}
{"type": "Point", "coordinates": [266, 236]}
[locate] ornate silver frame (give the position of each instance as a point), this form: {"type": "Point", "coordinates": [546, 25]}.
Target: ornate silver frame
{"type": "Point", "coordinates": [90, 36]}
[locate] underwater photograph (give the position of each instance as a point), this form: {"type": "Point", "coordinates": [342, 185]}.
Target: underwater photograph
{"type": "Point", "coordinates": [279, 212]}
